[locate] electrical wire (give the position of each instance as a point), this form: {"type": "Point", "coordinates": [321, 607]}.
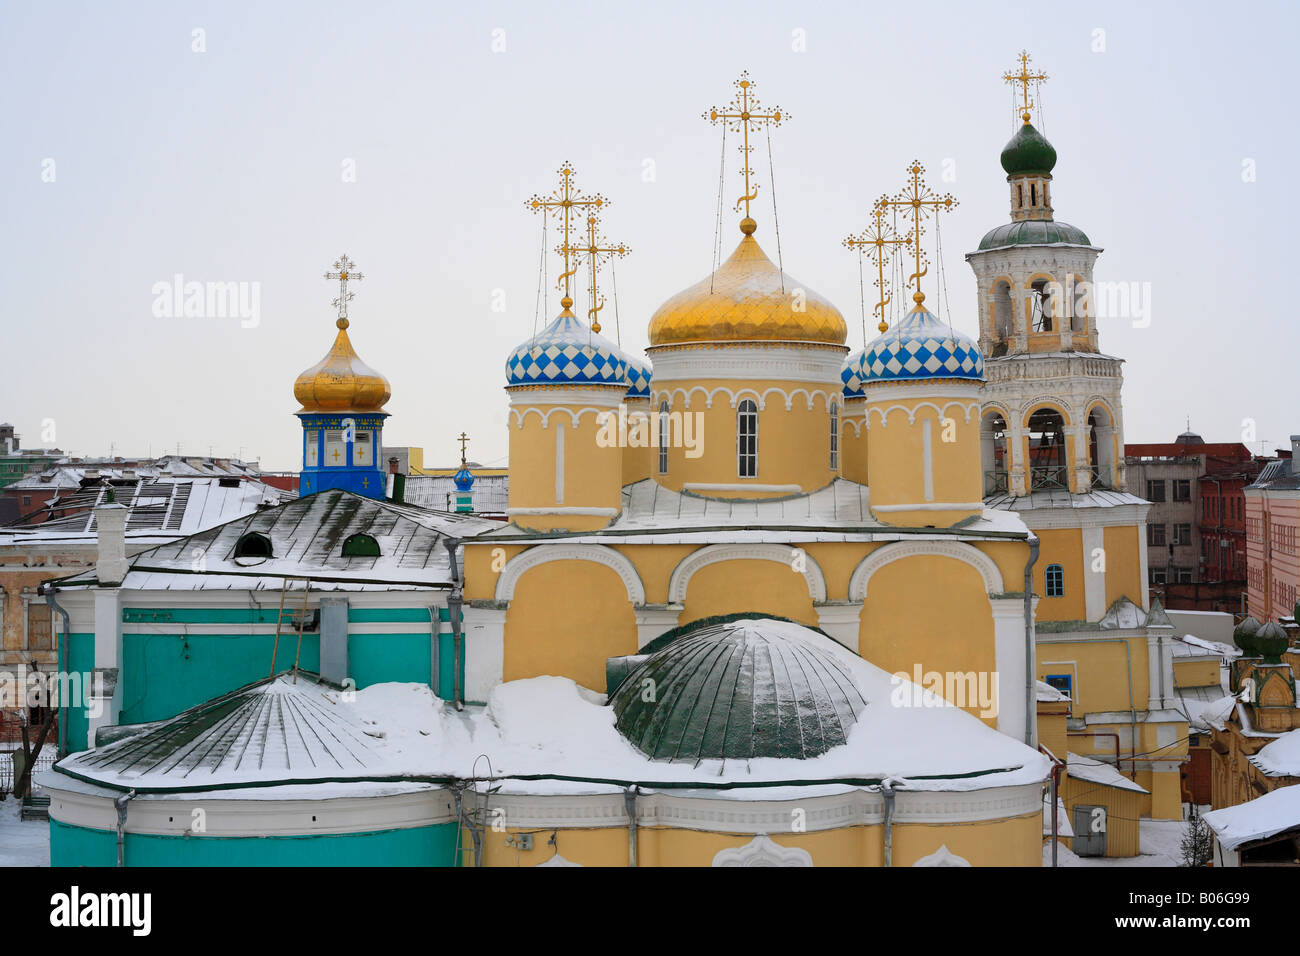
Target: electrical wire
{"type": "Point", "coordinates": [776, 223]}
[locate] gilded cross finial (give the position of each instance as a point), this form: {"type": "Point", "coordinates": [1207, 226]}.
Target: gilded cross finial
{"type": "Point", "coordinates": [345, 271]}
{"type": "Point", "coordinates": [562, 203]}
{"type": "Point", "coordinates": [919, 201]}
{"type": "Point", "coordinates": [739, 115]}
{"type": "Point", "coordinates": [464, 440]}
{"type": "Point", "coordinates": [590, 247]}
{"type": "Point", "coordinates": [878, 240]}
{"type": "Point", "coordinates": [1024, 77]}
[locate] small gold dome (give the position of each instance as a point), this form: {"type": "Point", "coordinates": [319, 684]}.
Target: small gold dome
{"type": "Point", "coordinates": [341, 382]}
{"type": "Point", "coordinates": [744, 302]}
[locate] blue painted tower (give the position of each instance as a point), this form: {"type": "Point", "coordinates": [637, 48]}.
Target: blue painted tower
{"type": "Point", "coordinates": [342, 412]}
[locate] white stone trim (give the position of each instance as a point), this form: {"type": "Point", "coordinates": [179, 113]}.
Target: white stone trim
{"type": "Point", "coordinates": [521, 563]}
{"type": "Point", "coordinates": [1094, 582]}
{"type": "Point", "coordinates": [932, 506]}
{"type": "Point", "coordinates": [485, 650]}
{"type": "Point", "coordinates": [889, 553]}
{"type": "Point", "coordinates": [653, 621]}
{"type": "Point", "coordinates": [742, 363]}
{"type": "Point", "coordinates": [740, 486]}
{"type": "Point", "coordinates": [842, 620]}
{"type": "Point", "coordinates": [763, 851]}
{"type": "Point", "coordinates": [714, 553]}
{"type": "Point", "coordinates": [967, 408]}
{"type": "Point", "coordinates": [575, 414]}
{"type": "Point", "coordinates": [734, 396]}
{"type": "Point", "coordinates": [942, 857]}
{"type": "Point", "coordinates": [606, 395]}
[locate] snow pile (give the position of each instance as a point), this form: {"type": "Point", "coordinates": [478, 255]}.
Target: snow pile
{"type": "Point", "coordinates": [1204, 715]}
{"type": "Point", "coordinates": [1197, 647]}
{"type": "Point", "coordinates": [1256, 819]}
{"type": "Point", "coordinates": [1281, 758]}
{"type": "Point", "coordinates": [1095, 771]}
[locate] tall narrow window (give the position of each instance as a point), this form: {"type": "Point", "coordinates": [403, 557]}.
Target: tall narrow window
{"type": "Point", "coordinates": [1033, 194]}
{"type": "Point", "coordinates": [311, 458]}
{"type": "Point", "coordinates": [835, 436]}
{"type": "Point", "coordinates": [1055, 581]}
{"type": "Point", "coordinates": [336, 452]}
{"type": "Point", "coordinates": [663, 438]}
{"type": "Point", "coordinates": [747, 439]}
{"type": "Point", "coordinates": [361, 448]}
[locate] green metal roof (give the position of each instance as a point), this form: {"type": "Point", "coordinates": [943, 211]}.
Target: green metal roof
{"type": "Point", "coordinates": [739, 690]}
{"type": "Point", "coordinates": [1028, 152]}
{"type": "Point", "coordinates": [1034, 232]}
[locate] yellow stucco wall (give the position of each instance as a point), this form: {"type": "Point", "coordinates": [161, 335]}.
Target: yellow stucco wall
{"type": "Point", "coordinates": [639, 460]}
{"type": "Point", "coordinates": [748, 585]}
{"type": "Point", "coordinates": [1123, 565]}
{"type": "Point", "coordinates": [1063, 546]}
{"type": "Point", "coordinates": [566, 618]}
{"type": "Point", "coordinates": [591, 477]}
{"type": "Point", "coordinates": [1099, 671]}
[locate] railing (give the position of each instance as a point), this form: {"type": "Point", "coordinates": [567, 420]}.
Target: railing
{"type": "Point", "coordinates": [1101, 477]}
{"type": "Point", "coordinates": [995, 482]}
{"type": "Point", "coordinates": [1044, 477]}
{"type": "Point", "coordinates": [43, 762]}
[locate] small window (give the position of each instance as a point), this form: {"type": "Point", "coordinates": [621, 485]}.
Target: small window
{"type": "Point", "coordinates": [747, 439]}
{"type": "Point", "coordinates": [1155, 489]}
{"type": "Point", "coordinates": [663, 438]}
{"type": "Point", "coordinates": [1157, 577]}
{"type": "Point", "coordinates": [1182, 489]}
{"type": "Point", "coordinates": [1182, 534]}
{"type": "Point", "coordinates": [311, 451]}
{"type": "Point", "coordinates": [1062, 682]}
{"type": "Point", "coordinates": [1156, 535]}
{"type": "Point", "coordinates": [1033, 194]}
{"type": "Point", "coordinates": [835, 436]}
{"type": "Point", "coordinates": [253, 545]}
{"type": "Point", "coordinates": [361, 449]}
{"type": "Point", "coordinates": [27, 500]}
{"type": "Point", "coordinates": [336, 452]}
{"type": "Point", "coordinates": [360, 546]}
{"type": "Point", "coordinates": [1055, 581]}
{"type": "Point", "coordinates": [1182, 575]}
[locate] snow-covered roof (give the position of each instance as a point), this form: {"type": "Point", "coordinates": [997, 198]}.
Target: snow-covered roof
{"type": "Point", "coordinates": [840, 511]}
{"type": "Point", "coordinates": [1045, 693]}
{"type": "Point", "coordinates": [1097, 771]}
{"type": "Point", "coordinates": [1191, 646]}
{"type": "Point", "coordinates": [1060, 498]}
{"type": "Point", "coordinates": [306, 537]}
{"type": "Point", "coordinates": [1281, 758]}
{"type": "Point", "coordinates": [1206, 708]}
{"type": "Point", "coordinates": [1265, 816]}
{"type": "Point", "coordinates": [544, 728]}
{"type": "Point", "coordinates": [490, 493]}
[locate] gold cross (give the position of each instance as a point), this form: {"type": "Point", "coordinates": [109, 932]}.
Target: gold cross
{"type": "Point", "coordinates": [1024, 78]}
{"type": "Point", "coordinates": [918, 197]}
{"type": "Point", "coordinates": [744, 112]}
{"type": "Point", "coordinates": [877, 239]}
{"type": "Point", "coordinates": [562, 202]}
{"type": "Point", "coordinates": [344, 272]}
{"type": "Point", "coordinates": [336, 454]}
{"type": "Point", "coordinates": [596, 255]}
{"type": "Point", "coordinates": [365, 482]}
{"type": "Point", "coordinates": [464, 439]}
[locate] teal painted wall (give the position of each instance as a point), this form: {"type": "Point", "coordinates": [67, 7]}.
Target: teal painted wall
{"type": "Point", "coordinates": [80, 661]}
{"type": "Point", "coordinates": [419, 846]}
{"type": "Point", "coordinates": [163, 674]}
{"type": "Point", "coordinates": [380, 658]}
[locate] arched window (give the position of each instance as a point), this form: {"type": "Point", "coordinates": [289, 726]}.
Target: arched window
{"type": "Point", "coordinates": [1055, 580]}
{"type": "Point", "coordinates": [993, 453]}
{"type": "Point", "coordinates": [253, 545]}
{"type": "Point", "coordinates": [1044, 307]}
{"type": "Point", "coordinates": [663, 437]}
{"type": "Point", "coordinates": [835, 436]}
{"type": "Point", "coordinates": [747, 439]}
{"type": "Point", "coordinates": [1047, 450]}
{"type": "Point", "coordinates": [360, 546]}
{"type": "Point", "coordinates": [1101, 448]}
{"type": "Point", "coordinates": [1002, 310]}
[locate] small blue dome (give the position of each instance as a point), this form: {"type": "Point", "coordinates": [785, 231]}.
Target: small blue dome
{"type": "Point", "coordinates": [567, 352]}
{"type": "Point", "coordinates": [638, 376]}
{"type": "Point", "coordinates": [464, 479]}
{"type": "Point", "coordinates": [920, 347]}
{"type": "Point", "coordinates": [852, 375]}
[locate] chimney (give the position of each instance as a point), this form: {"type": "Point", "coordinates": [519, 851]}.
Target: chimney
{"type": "Point", "coordinates": [1295, 454]}
{"type": "Point", "coordinates": [392, 465]}
{"type": "Point", "coordinates": [110, 527]}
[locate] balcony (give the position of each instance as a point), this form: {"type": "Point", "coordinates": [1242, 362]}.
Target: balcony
{"type": "Point", "coordinates": [995, 482]}
{"type": "Point", "coordinates": [1049, 477]}
{"type": "Point", "coordinates": [1101, 477]}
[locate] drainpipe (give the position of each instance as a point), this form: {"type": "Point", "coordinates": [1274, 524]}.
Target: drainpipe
{"type": "Point", "coordinates": [120, 803]}
{"type": "Point", "coordinates": [629, 803]}
{"type": "Point", "coordinates": [433, 637]}
{"type": "Point", "coordinates": [887, 788]}
{"type": "Point", "coordinates": [62, 682]}
{"type": "Point", "coordinates": [1031, 670]}
{"type": "Point", "coordinates": [455, 601]}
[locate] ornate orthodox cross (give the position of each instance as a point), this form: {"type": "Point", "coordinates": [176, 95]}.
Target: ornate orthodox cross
{"type": "Point", "coordinates": [1024, 78]}
{"type": "Point", "coordinates": [744, 113]}
{"type": "Point", "coordinates": [562, 203]}
{"type": "Point", "coordinates": [920, 202]}
{"type": "Point", "coordinates": [878, 240]}
{"type": "Point", "coordinates": [344, 272]}
{"type": "Point", "coordinates": [596, 255]}
{"type": "Point", "coordinates": [464, 440]}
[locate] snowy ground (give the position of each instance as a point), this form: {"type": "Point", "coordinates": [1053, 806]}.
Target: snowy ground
{"type": "Point", "coordinates": [1161, 842]}
{"type": "Point", "coordinates": [25, 843]}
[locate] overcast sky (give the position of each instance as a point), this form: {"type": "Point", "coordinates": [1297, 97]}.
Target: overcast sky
{"type": "Point", "coordinates": [255, 142]}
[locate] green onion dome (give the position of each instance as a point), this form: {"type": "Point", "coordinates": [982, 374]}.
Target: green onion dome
{"type": "Point", "coordinates": [1028, 152]}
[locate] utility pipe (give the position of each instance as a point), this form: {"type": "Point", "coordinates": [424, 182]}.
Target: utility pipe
{"type": "Point", "coordinates": [629, 802]}
{"type": "Point", "coordinates": [887, 788]}
{"type": "Point", "coordinates": [120, 804]}
{"type": "Point", "coordinates": [1031, 669]}
{"type": "Point", "coordinates": [62, 682]}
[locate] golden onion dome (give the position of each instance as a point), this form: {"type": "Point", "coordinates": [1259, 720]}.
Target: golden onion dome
{"type": "Point", "coordinates": [747, 300]}
{"type": "Point", "coordinates": [341, 382]}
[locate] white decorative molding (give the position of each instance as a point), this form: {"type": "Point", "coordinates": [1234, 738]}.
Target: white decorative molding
{"type": "Point", "coordinates": [654, 621]}
{"type": "Point", "coordinates": [749, 364]}
{"type": "Point", "coordinates": [942, 857]}
{"type": "Point", "coordinates": [763, 851]}
{"type": "Point", "coordinates": [967, 408]}
{"type": "Point", "coordinates": [842, 620]}
{"type": "Point", "coordinates": [890, 553]}
{"type": "Point", "coordinates": [734, 396]}
{"type": "Point", "coordinates": [540, 554]}
{"type": "Point", "coordinates": [557, 860]}
{"type": "Point", "coordinates": [715, 553]}
{"type": "Point", "coordinates": [575, 414]}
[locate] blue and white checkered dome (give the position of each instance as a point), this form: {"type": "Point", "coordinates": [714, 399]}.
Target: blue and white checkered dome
{"type": "Point", "coordinates": [567, 352]}
{"type": "Point", "coordinates": [920, 347]}
{"type": "Point", "coordinates": [852, 376]}
{"type": "Point", "coordinates": [639, 371]}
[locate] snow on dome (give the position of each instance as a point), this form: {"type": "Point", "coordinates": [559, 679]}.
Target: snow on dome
{"type": "Point", "coordinates": [921, 347]}
{"type": "Point", "coordinates": [567, 352]}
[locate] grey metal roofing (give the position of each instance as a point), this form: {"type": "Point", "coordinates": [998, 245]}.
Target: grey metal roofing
{"type": "Point", "coordinates": [270, 732]}
{"type": "Point", "coordinates": [739, 690]}
{"type": "Point", "coordinates": [1034, 232]}
{"type": "Point", "coordinates": [306, 538]}
{"type": "Point", "coordinates": [1278, 475]}
{"type": "Point", "coordinates": [1059, 498]}
{"type": "Point", "coordinates": [489, 495]}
